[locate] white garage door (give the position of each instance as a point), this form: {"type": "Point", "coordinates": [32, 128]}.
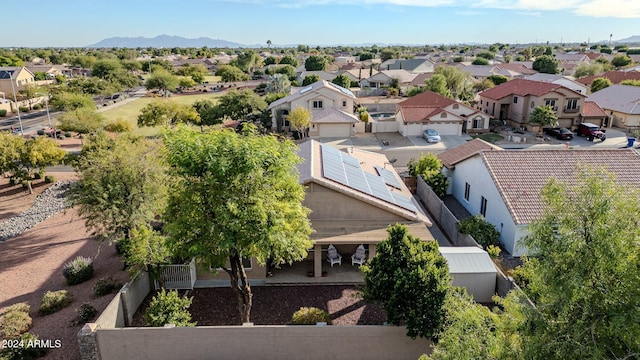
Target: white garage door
{"type": "Point", "coordinates": [334, 130]}
{"type": "Point", "coordinates": [446, 129]}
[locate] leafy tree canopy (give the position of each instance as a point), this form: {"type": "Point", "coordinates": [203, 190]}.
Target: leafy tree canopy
{"type": "Point", "coordinates": [167, 113]}
{"type": "Point", "coordinates": [600, 83]}
{"type": "Point", "coordinates": [546, 64]}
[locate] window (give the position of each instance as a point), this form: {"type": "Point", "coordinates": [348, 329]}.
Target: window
{"type": "Point", "coordinates": [467, 189]}
{"type": "Point", "coordinates": [483, 206]}
{"type": "Point", "coordinates": [480, 101]}
{"type": "Point", "coordinates": [478, 122]}
{"type": "Point", "coordinates": [317, 104]}
{"type": "Point", "coordinates": [515, 99]}
{"type": "Point", "coordinates": [443, 115]}
{"type": "Point", "coordinates": [572, 104]}
{"type": "Point", "coordinates": [344, 103]}
{"type": "Point", "coordinates": [550, 102]}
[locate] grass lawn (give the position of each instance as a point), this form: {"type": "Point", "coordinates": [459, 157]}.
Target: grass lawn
{"type": "Point", "coordinates": [130, 111]}
{"type": "Point", "coordinates": [489, 137]}
{"type": "Point", "coordinates": [211, 79]}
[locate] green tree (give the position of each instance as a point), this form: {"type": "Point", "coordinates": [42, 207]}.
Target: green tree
{"type": "Point", "coordinates": [162, 80]}
{"type": "Point", "coordinates": [487, 55]}
{"type": "Point", "coordinates": [584, 70]}
{"type": "Point", "coordinates": [498, 79]}
{"type": "Point", "coordinates": [121, 187]}
{"type": "Point", "coordinates": [207, 111]}
{"type": "Point", "coordinates": [238, 197]}
{"type": "Point", "coordinates": [239, 105]}
{"type": "Point", "coordinates": [278, 83]}
{"type": "Point", "coordinates": [310, 79]}
{"type": "Point", "coordinates": [438, 84]}
{"type": "Point", "coordinates": [480, 61]}
{"type": "Point", "coordinates": [459, 83]}
{"type": "Point", "coordinates": [246, 61]}
{"type": "Point", "coordinates": [630, 82]}
{"type": "Point", "coordinates": [342, 80]}
{"type": "Point", "coordinates": [167, 307]}
{"type": "Point", "coordinates": [36, 155]}
{"type": "Point", "coordinates": [81, 120]}
{"type": "Point", "coordinates": [621, 60]}
{"type": "Point", "coordinates": [315, 63]}
{"type": "Point", "coordinates": [168, 113]}
{"type": "Point", "coordinates": [288, 59]}
{"type": "Point", "coordinates": [600, 83]}
{"type": "Point", "coordinates": [482, 231]}
{"type": "Point", "coordinates": [196, 72]}
{"type": "Point", "coordinates": [66, 101]}
{"type": "Point", "coordinates": [11, 146]}
{"type": "Point", "coordinates": [546, 64]}
{"type": "Point", "coordinates": [429, 167]}
{"type": "Point", "coordinates": [410, 280]}
{"type": "Point", "coordinates": [300, 120]}
{"type": "Point", "coordinates": [389, 53]}
{"type": "Point", "coordinates": [230, 73]}
{"type": "Point", "coordinates": [584, 280]}
{"type": "Point", "coordinates": [543, 116]}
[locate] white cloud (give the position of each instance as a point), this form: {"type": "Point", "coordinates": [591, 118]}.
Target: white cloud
{"type": "Point", "coordinates": [593, 8]}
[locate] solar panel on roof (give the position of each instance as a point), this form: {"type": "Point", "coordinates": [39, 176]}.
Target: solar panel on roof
{"type": "Point", "coordinates": [378, 188]}
{"type": "Point", "coordinates": [389, 177]}
{"type": "Point", "coordinates": [404, 202]}
{"type": "Point", "coordinates": [350, 160]}
{"type": "Point", "coordinates": [356, 179]}
{"type": "Point", "coordinates": [308, 88]}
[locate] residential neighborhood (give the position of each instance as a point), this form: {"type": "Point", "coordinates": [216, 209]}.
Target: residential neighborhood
{"type": "Point", "coordinates": [193, 198]}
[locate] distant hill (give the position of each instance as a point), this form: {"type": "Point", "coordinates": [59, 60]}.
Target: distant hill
{"type": "Point", "coordinates": [164, 41]}
{"type": "Point", "coordinates": [635, 39]}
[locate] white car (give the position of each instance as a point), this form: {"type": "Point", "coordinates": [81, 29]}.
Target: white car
{"type": "Point", "coordinates": [431, 136]}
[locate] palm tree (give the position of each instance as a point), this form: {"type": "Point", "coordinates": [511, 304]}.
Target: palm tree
{"type": "Point", "coordinates": [543, 116]}
{"type": "Point", "coordinates": [269, 44]}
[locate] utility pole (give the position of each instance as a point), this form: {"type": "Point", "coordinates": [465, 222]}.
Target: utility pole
{"type": "Point", "coordinates": [15, 100]}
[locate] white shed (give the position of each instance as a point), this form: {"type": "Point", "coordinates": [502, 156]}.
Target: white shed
{"type": "Point", "coordinates": [472, 268]}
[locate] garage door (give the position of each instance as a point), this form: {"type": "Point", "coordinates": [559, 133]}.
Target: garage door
{"type": "Point", "coordinates": [446, 129]}
{"type": "Point", "coordinates": [565, 123]}
{"type": "Point", "coordinates": [334, 130]}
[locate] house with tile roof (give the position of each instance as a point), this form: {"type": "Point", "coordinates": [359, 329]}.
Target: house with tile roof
{"type": "Point", "coordinates": [416, 65]}
{"type": "Point", "coordinates": [504, 185]}
{"type": "Point", "coordinates": [514, 101]}
{"type": "Point", "coordinates": [592, 113]}
{"type": "Point", "coordinates": [560, 80]}
{"type": "Point", "coordinates": [429, 110]}
{"type": "Point", "coordinates": [385, 77]}
{"type": "Point", "coordinates": [616, 77]}
{"type": "Point", "coordinates": [621, 103]}
{"type": "Point", "coordinates": [331, 106]}
{"type": "Point", "coordinates": [481, 72]}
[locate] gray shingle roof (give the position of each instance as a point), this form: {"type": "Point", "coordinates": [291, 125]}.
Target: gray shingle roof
{"type": "Point", "coordinates": [622, 98]}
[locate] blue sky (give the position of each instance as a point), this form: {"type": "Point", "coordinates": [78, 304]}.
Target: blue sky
{"type": "Point", "coordinates": [324, 22]}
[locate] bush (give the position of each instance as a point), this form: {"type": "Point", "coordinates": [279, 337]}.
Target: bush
{"type": "Point", "coordinates": [481, 230]}
{"type": "Point", "coordinates": [37, 106]}
{"type": "Point", "coordinates": [168, 308]}
{"type": "Point", "coordinates": [49, 179]}
{"type": "Point", "coordinates": [86, 312]}
{"type": "Point", "coordinates": [106, 285]}
{"type": "Point", "coordinates": [54, 301]}
{"type": "Point", "coordinates": [15, 321]}
{"type": "Point", "coordinates": [119, 126]}
{"type": "Point", "coordinates": [23, 108]}
{"type": "Point", "coordinates": [78, 270]}
{"type": "Point", "coordinates": [3, 112]}
{"type": "Point", "coordinates": [310, 316]}
{"type": "Point", "coordinates": [25, 351]}
{"type": "Point", "coordinates": [40, 132]}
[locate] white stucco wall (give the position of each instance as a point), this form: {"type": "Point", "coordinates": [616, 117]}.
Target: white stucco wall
{"type": "Point", "coordinates": [474, 172]}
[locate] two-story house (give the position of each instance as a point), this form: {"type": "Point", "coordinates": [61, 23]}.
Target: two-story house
{"type": "Point", "coordinates": [429, 110]}
{"type": "Point", "coordinates": [621, 103]}
{"type": "Point", "coordinates": [515, 100]}
{"type": "Point", "coordinates": [331, 106]}
{"type": "Point", "coordinates": [14, 78]}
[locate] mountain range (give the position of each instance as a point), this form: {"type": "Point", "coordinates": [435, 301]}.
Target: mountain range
{"type": "Point", "coordinates": [163, 41]}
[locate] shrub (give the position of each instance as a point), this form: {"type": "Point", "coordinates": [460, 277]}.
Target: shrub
{"type": "Point", "coordinates": [68, 134]}
{"type": "Point", "coordinates": [168, 308]}
{"type": "Point", "coordinates": [15, 321]}
{"type": "Point", "coordinates": [25, 184]}
{"type": "Point", "coordinates": [310, 316]}
{"type": "Point", "coordinates": [54, 301]}
{"type": "Point", "coordinates": [3, 112]}
{"type": "Point", "coordinates": [40, 132]}
{"type": "Point", "coordinates": [37, 106]}
{"type": "Point", "coordinates": [78, 270]}
{"type": "Point", "coordinates": [23, 108]}
{"type": "Point", "coordinates": [482, 231]}
{"type": "Point", "coordinates": [28, 350]}
{"type": "Point", "coordinates": [106, 285]}
{"type": "Point", "coordinates": [119, 126]}
{"type": "Point", "coordinates": [49, 179]}
{"type": "Point", "coordinates": [494, 251]}
{"type": "Point", "coordinates": [86, 312]}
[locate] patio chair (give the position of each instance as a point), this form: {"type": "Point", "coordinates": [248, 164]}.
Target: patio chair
{"type": "Point", "coordinates": [333, 257]}
{"type": "Point", "coordinates": [359, 257]}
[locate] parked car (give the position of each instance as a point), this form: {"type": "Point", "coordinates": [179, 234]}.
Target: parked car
{"type": "Point", "coordinates": [591, 131]}
{"type": "Point", "coordinates": [431, 136]}
{"type": "Point", "coordinates": [560, 133]}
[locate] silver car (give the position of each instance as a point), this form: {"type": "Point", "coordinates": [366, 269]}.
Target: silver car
{"type": "Point", "coordinates": [431, 136]}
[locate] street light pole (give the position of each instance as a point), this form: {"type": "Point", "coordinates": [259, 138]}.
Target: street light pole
{"type": "Point", "coordinates": [46, 103]}
{"type": "Point", "coordinates": [15, 99]}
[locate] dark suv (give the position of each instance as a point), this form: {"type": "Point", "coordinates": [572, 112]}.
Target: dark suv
{"type": "Point", "coordinates": [560, 133]}
{"type": "Point", "coordinates": [591, 131]}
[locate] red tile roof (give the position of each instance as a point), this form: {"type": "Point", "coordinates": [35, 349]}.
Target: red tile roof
{"type": "Point", "coordinates": [420, 107]}
{"type": "Point", "coordinates": [616, 77]}
{"type": "Point", "coordinates": [592, 109]}
{"type": "Point", "coordinates": [520, 87]}
{"type": "Point", "coordinates": [520, 175]}
{"type": "Point", "coordinates": [457, 154]}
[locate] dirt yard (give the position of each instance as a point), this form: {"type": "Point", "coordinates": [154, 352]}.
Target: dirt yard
{"type": "Point", "coordinates": [31, 264]}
